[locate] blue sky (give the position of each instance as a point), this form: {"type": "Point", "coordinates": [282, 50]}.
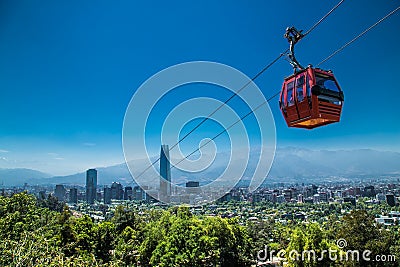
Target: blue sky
{"type": "Point", "coordinates": [69, 68]}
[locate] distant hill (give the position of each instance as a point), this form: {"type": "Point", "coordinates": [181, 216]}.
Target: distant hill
{"type": "Point", "coordinates": [305, 165]}
{"type": "Point", "coordinates": [291, 164]}
{"type": "Point", "coordinates": [106, 175]}
{"type": "Point", "coordinates": [295, 161]}
{"type": "Point", "coordinates": [11, 177]}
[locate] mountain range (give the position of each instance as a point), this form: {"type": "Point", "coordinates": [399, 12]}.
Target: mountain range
{"type": "Point", "coordinates": [291, 164]}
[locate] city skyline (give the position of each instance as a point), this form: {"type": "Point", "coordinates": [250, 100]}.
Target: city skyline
{"type": "Point", "coordinates": [66, 81]}
{"type": "Point", "coordinates": [324, 164]}
{"type": "Point", "coordinates": [377, 190]}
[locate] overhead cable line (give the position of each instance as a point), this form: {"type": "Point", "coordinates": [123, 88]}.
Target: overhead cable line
{"type": "Point", "coordinates": [323, 18]}
{"type": "Point", "coordinates": [242, 88]}
{"type": "Point", "coordinates": [277, 93]}
{"type": "Point", "coordinates": [359, 36]}
{"type": "Point", "coordinates": [226, 129]}
{"type": "Point", "coordinates": [218, 108]}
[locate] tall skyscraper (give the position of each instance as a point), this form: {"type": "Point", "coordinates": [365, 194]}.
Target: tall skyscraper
{"type": "Point", "coordinates": [117, 191]}
{"type": "Point", "coordinates": [128, 195]}
{"type": "Point", "coordinates": [139, 193]}
{"type": "Point", "coordinates": [165, 173]}
{"type": "Point", "coordinates": [91, 185]}
{"type": "Point", "coordinates": [390, 200]}
{"type": "Point", "coordinates": [59, 192]}
{"type": "Point", "coordinates": [107, 195]}
{"type": "Point", "coordinates": [73, 196]}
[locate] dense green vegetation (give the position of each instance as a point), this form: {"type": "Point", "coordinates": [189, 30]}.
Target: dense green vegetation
{"type": "Point", "coordinates": [39, 233]}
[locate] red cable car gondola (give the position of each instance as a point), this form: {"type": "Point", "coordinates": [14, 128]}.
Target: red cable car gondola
{"type": "Point", "coordinates": [311, 97]}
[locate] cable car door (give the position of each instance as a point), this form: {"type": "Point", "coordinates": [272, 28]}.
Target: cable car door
{"type": "Point", "coordinates": [290, 104]}
{"type": "Point", "coordinates": [303, 96]}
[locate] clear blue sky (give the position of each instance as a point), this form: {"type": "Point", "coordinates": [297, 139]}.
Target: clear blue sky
{"type": "Point", "coordinates": [69, 68]}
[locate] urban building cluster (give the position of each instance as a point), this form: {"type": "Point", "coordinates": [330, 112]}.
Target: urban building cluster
{"type": "Point", "coordinates": [320, 194]}
{"type": "Point", "coordinates": [92, 198]}
{"type": "Point", "coordinates": [92, 192]}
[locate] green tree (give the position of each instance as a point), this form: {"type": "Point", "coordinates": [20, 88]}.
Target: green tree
{"type": "Point", "coordinates": [152, 233]}
{"type": "Point", "coordinates": [52, 203]}
{"type": "Point", "coordinates": [126, 249]}
{"type": "Point", "coordinates": [309, 246]}
{"type": "Point", "coordinates": [67, 235]}
{"type": "Point", "coordinates": [104, 235]}
{"type": "Point", "coordinates": [361, 233]}
{"type": "Point", "coordinates": [124, 217]}
{"type": "Point", "coordinates": [186, 244]}
{"type": "Point", "coordinates": [84, 234]}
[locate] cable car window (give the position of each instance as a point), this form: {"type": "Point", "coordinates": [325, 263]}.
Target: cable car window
{"type": "Point", "coordinates": [299, 88]}
{"type": "Point", "coordinates": [308, 88]}
{"type": "Point", "coordinates": [289, 96]}
{"type": "Point", "coordinates": [326, 82]}
{"type": "Point", "coordinates": [331, 85]}
{"type": "Point", "coordinates": [282, 99]}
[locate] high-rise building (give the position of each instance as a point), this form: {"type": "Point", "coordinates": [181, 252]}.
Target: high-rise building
{"type": "Point", "coordinates": [323, 197]}
{"type": "Point", "coordinates": [139, 193]}
{"type": "Point", "coordinates": [117, 191]}
{"type": "Point", "coordinates": [59, 192]}
{"type": "Point", "coordinates": [73, 196]}
{"type": "Point", "coordinates": [369, 191]}
{"type": "Point", "coordinates": [165, 173]}
{"type": "Point", "coordinates": [91, 185]}
{"type": "Point", "coordinates": [287, 193]}
{"type": "Point", "coordinates": [300, 198]}
{"type": "Point", "coordinates": [128, 195]}
{"type": "Point", "coordinates": [107, 195]}
{"type": "Point", "coordinates": [390, 200]}
{"type": "Point", "coordinates": [314, 190]}
{"type": "Point", "coordinates": [316, 198]}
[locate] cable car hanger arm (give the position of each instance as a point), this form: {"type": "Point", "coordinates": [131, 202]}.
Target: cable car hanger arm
{"type": "Point", "coordinates": [293, 36]}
